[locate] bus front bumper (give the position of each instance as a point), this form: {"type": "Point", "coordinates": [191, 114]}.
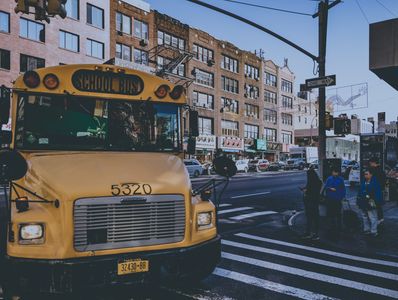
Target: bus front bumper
{"type": "Point", "coordinates": [73, 275]}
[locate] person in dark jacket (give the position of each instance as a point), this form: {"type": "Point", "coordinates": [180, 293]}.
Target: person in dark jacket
{"type": "Point", "coordinates": [311, 204]}
{"type": "Point", "coordinates": [370, 194]}
{"type": "Point", "coordinates": [335, 193]}
{"type": "Point", "coordinates": [379, 176]}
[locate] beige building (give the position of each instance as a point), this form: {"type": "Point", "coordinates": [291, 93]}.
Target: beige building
{"type": "Point", "coordinates": [25, 44]}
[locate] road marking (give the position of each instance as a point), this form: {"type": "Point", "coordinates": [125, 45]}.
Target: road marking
{"type": "Point", "coordinates": [255, 214]}
{"type": "Point", "coordinates": [269, 285]}
{"type": "Point", "coordinates": [312, 275]}
{"type": "Point", "coordinates": [248, 195]}
{"type": "Point", "coordinates": [224, 204]}
{"type": "Point", "coordinates": [233, 210]}
{"type": "Point", "coordinates": [312, 260]}
{"type": "Point", "coordinates": [290, 222]}
{"type": "Point", "coordinates": [320, 250]}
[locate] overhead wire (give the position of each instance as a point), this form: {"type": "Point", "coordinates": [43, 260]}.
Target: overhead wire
{"type": "Point", "coordinates": [362, 11]}
{"type": "Point", "coordinates": [270, 8]}
{"type": "Point", "coordinates": [386, 8]}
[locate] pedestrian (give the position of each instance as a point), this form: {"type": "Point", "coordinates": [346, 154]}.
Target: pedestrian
{"type": "Point", "coordinates": [334, 189]}
{"type": "Point", "coordinates": [380, 177]}
{"type": "Point", "coordinates": [368, 197]}
{"type": "Point", "coordinates": [311, 204]}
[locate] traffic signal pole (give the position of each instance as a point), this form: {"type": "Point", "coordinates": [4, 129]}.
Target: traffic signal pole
{"type": "Point", "coordinates": [323, 9]}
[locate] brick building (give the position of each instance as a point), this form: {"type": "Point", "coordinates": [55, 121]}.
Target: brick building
{"type": "Point", "coordinates": [26, 44]}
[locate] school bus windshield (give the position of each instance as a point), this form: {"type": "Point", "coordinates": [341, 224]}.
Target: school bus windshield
{"type": "Point", "coordinates": [65, 122]}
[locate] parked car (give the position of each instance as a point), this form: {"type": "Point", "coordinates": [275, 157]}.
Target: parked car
{"type": "Point", "coordinates": [314, 164]}
{"type": "Point", "coordinates": [295, 163]}
{"type": "Point", "coordinates": [258, 165]}
{"type": "Point", "coordinates": [242, 165]}
{"type": "Point", "coordinates": [207, 168]}
{"type": "Point", "coordinates": [194, 167]}
{"type": "Point", "coordinates": [276, 166]}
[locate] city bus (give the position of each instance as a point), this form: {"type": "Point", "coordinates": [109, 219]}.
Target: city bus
{"type": "Point", "coordinates": [98, 192]}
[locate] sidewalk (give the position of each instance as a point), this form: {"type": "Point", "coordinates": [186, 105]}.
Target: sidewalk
{"type": "Point", "coordinates": [353, 240]}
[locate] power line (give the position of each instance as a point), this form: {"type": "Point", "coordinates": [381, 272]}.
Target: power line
{"type": "Point", "coordinates": [386, 8]}
{"type": "Point", "coordinates": [363, 13]}
{"type": "Point", "coordinates": [268, 7]}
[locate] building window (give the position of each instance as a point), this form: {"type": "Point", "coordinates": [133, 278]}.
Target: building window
{"type": "Point", "coordinates": [252, 91]}
{"type": "Point", "coordinates": [229, 105]}
{"type": "Point", "coordinates": [4, 22]}
{"type": "Point", "coordinates": [305, 109]}
{"type": "Point", "coordinates": [68, 41]}
{"type": "Point", "coordinates": [123, 23]}
{"type": "Point", "coordinates": [229, 128]}
{"type": "Point", "coordinates": [32, 30]}
{"type": "Point", "coordinates": [95, 16]}
{"type": "Point", "coordinates": [202, 54]}
{"type": "Point", "coordinates": [163, 62]}
{"type": "Point", "coordinates": [299, 119]}
{"type": "Point", "coordinates": [28, 63]}
{"type": "Point", "coordinates": [229, 63]}
{"type": "Point", "coordinates": [305, 120]}
{"type": "Point", "coordinates": [251, 111]}
{"type": "Point", "coordinates": [287, 119]}
{"type": "Point", "coordinates": [123, 52]}
{"type": "Point", "coordinates": [204, 78]}
{"type": "Point", "coordinates": [203, 100]}
{"type": "Point", "coordinates": [141, 57]}
{"type": "Point", "coordinates": [270, 134]}
{"type": "Point", "coordinates": [95, 49]}
{"type": "Point", "coordinates": [251, 72]}
{"type": "Point", "coordinates": [270, 115]}
{"type": "Point", "coordinates": [287, 102]}
{"type": "Point", "coordinates": [270, 79]}
{"type": "Point", "coordinates": [5, 56]}
{"type": "Point", "coordinates": [141, 30]}
{"type": "Point", "coordinates": [229, 85]}
{"type": "Point", "coordinates": [286, 86]}
{"type": "Point", "coordinates": [287, 137]}
{"type": "Point", "coordinates": [72, 9]}
{"type": "Point", "coordinates": [170, 40]}
{"type": "Point", "coordinates": [251, 131]}
{"type": "Point", "coordinates": [270, 97]}
{"type": "Point", "coordinates": [206, 126]}
{"type": "Point", "coordinates": [316, 112]}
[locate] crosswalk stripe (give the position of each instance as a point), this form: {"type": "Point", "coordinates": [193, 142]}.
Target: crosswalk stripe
{"type": "Point", "coordinates": [312, 275]}
{"type": "Point", "coordinates": [269, 285]}
{"type": "Point", "coordinates": [225, 204]}
{"type": "Point", "coordinates": [248, 195]}
{"type": "Point", "coordinates": [320, 250]}
{"type": "Point", "coordinates": [255, 214]}
{"type": "Point", "coordinates": [312, 260]}
{"type": "Point", "coordinates": [225, 211]}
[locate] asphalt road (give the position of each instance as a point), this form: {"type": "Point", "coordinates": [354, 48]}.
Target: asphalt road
{"type": "Point", "coordinates": [263, 259]}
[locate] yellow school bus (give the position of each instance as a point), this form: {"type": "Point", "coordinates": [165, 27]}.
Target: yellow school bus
{"type": "Point", "coordinates": [105, 197]}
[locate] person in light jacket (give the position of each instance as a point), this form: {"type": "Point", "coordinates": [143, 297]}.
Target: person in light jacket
{"type": "Point", "coordinates": [369, 198]}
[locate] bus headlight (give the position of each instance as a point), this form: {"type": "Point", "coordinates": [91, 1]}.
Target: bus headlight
{"type": "Point", "coordinates": [31, 234]}
{"type": "Point", "coordinates": [204, 220]}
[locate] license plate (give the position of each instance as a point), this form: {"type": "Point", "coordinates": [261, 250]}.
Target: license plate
{"type": "Point", "coordinates": [132, 266]}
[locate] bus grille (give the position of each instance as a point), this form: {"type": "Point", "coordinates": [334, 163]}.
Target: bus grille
{"type": "Point", "coordinates": [131, 221]}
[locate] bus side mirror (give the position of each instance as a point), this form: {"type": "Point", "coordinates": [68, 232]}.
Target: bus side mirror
{"type": "Point", "coordinates": [224, 166]}
{"type": "Point", "coordinates": [191, 146]}
{"type": "Point", "coordinates": [5, 101]}
{"type": "Point", "coordinates": [13, 165]}
{"type": "Point", "coordinates": [5, 137]}
{"type": "Point", "coordinates": [194, 123]}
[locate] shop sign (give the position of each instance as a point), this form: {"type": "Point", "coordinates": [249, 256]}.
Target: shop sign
{"type": "Point", "coordinates": [261, 145]}
{"type": "Point", "coordinates": [206, 142]}
{"type": "Point", "coordinates": [230, 143]}
{"type": "Point", "coordinates": [273, 146]}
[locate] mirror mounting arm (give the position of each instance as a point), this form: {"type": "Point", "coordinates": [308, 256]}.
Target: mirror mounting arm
{"type": "Point", "coordinates": [41, 199]}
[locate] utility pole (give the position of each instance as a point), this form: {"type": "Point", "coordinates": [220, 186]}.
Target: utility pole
{"type": "Point", "coordinates": [323, 9]}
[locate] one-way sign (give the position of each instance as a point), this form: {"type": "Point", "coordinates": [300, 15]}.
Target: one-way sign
{"type": "Point", "coordinates": [320, 82]}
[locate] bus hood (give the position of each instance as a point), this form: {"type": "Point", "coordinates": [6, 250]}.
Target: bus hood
{"type": "Point", "coordinates": [78, 175]}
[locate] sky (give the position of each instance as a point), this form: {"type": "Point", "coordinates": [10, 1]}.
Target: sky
{"type": "Point", "coordinates": [347, 44]}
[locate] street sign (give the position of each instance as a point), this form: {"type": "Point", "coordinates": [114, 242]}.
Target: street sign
{"type": "Point", "coordinates": [320, 82]}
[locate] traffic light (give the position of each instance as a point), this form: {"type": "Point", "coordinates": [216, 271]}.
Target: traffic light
{"type": "Point", "coordinates": [40, 11]}
{"type": "Point", "coordinates": [56, 7]}
{"type": "Point", "coordinates": [23, 5]}
{"type": "Point", "coordinates": [342, 126]}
